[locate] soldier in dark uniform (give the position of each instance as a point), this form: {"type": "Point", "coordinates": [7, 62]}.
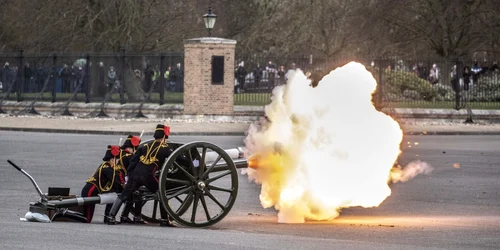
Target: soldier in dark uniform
{"type": "Point", "coordinates": [127, 151]}
{"type": "Point", "coordinates": [148, 159]}
{"type": "Point", "coordinates": [109, 177]}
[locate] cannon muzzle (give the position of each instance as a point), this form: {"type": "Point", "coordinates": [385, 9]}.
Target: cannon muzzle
{"type": "Point", "coordinates": [237, 154]}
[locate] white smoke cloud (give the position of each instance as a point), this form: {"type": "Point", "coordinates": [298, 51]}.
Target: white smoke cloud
{"type": "Point", "coordinates": [411, 170]}
{"type": "Point", "coordinates": [324, 148]}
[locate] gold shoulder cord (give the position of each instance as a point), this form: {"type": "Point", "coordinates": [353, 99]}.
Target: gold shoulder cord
{"type": "Point", "coordinates": [151, 154]}
{"type": "Point", "coordinates": [121, 165]}
{"type": "Point", "coordinates": [107, 187]}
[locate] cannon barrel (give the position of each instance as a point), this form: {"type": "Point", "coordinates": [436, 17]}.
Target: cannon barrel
{"type": "Point", "coordinates": [237, 154]}
{"type": "Point", "coordinates": [234, 153]}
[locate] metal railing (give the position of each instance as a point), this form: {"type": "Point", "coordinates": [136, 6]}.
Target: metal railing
{"type": "Point", "coordinates": [159, 78]}
{"type": "Point", "coordinates": [401, 83]}
{"type": "Point", "coordinates": [125, 76]}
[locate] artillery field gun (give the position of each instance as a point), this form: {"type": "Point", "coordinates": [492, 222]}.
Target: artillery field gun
{"type": "Point", "coordinates": [197, 195]}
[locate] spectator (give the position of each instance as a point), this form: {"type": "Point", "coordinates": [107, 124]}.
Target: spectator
{"type": "Point", "coordinates": [148, 77]}
{"type": "Point", "coordinates": [28, 76]}
{"type": "Point", "coordinates": [111, 78]}
{"type": "Point", "coordinates": [177, 76]}
{"type": "Point", "coordinates": [257, 75]}
{"type": "Point", "coordinates": [7, 77]}
{"type": "Point", "coordinates": [156, 73]}
{"type": "Point", "coordinates": [66, 79]}
{"type": "Point", "coordinates": [14, 71]}
{"type": "Point", "coordinates": [170, 84]}
{"type": "Point", "coordinates": [271, 70]}
{"type": "Point", "coordinates": [434, 74]}
{"type": "Point", "coordinates": [494, 67]}
{"type": "Point", "coordinates": [41, 76]}
{"type": "Point", "coordinates": [240, 75]}
{"type": "Point", "coordinates": [455, 79]}
{"type": "Point", "coordinates": [73, 77]}
{"type": "Point", "coordinates": [467, 78]}
{"type": "Point", "coordinates": [281, 75]}
{"type": "Point", "coordinates": [476, 71]}
{"type": "Point", "coordinates": [423, 71]}
{"type": "Point", "coordinates": [79, 79]}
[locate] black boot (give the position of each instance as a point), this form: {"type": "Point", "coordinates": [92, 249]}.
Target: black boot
{"type": "Point", "coordinates": [138, 214]}
{"type": "Point", "coordinates": [166, 223]}
{"type": "Point", "coordinates": [114, 210]}
{"type": "Point", "coordinates": [124, 219]}
{"type": "Point", "coordinates": [166, 220]}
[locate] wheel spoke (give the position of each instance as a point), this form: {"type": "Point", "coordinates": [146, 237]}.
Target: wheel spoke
{"type": "Point", "coordinates": [182, 191]}
{"type": "Point", "coordinates": [210, 187]}
{"type": "Point", "coordinates": [195, 206]}
{"type": "Point", "coordinates": [185, 204]}
{"type": "Point", "coordinates": [185, 172]}
{"type": "Point", "coordinates": [201, 167]}
{"type": "Point", "coordinates": [190, 160]}
{"type": "Point", "coordinates": [214, 199]}
{"type": "Point", "coordinates": [173, 190]}
{"type": "Point", "coordinates": [204, 203]}
{"type": "Point", "coordinates": [185, 182]}
{"type": "Point", "coordinates": [211, 167]}
{"type": "Point", "coordinates": [155, 205]}
{"type": "Point", "coordinates": [179, 199]}
{"type": "Point", "coordinates": [218, 177]}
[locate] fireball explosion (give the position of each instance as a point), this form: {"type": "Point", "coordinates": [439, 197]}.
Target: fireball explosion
{"type": "Point", "coordinates": [325, 148]}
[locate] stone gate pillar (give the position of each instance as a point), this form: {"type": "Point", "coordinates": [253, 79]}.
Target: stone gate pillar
{"type": "Point", "coordinates": [209, 76]}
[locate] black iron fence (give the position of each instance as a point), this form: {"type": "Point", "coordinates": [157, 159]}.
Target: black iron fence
{"type": "Point", "coordinates": [120, 77]}
{"type": "Point", "coordinates": [159, 78]}
{"type": "Point", "coordinates": [401, 83]}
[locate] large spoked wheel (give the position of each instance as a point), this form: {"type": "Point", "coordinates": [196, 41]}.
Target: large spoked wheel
{"type": "Point", "coordinates": [198, 184]}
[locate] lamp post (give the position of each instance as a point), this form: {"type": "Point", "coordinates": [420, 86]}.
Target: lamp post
{"type": "Point", "coordinates": [209, 19]}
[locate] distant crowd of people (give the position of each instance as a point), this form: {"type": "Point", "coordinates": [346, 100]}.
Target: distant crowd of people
{"type": "Point", "coordinates": [70, 78]}
{"type": "Point", "coordinates": [468, 75]}
{"type": "Point", "coordinates": [259, 77]}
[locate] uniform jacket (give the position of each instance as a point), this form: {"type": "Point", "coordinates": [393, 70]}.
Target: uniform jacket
{"type": "Point", "coordinates": [108, 179]}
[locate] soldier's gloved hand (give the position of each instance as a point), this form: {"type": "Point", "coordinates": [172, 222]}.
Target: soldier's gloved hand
{"type": "Point", "coordinates": [126, 179]}
{"type": "Point", "coordinates": [196, 163]}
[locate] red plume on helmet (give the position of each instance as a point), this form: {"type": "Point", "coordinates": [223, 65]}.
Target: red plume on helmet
{"type": "Point", "coordinates": [115, 150]}
{"type": "Point", "coordinates": [161, 131]}
{"type": "Point", "coordinates": [166, 130]}
{"type": "Point", "coordinates": [111, 151]}
{"type": "Point", "coordinates": [135, 141]}
{"type": "Point", "coordinates": [131, 142]}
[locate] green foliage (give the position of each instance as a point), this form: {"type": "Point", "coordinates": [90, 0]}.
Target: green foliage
{"type": "Point", "coordinates": [487, 89]}
{"type": "Point", "coordinates": [408, 85]}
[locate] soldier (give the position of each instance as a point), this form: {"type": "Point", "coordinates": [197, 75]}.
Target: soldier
{"type": "Point", "coordinates": [148, 159]}
{"type": "Point", "coordinates": [109, 177]}
{"type": "Point", "coordinates": [127, 151]}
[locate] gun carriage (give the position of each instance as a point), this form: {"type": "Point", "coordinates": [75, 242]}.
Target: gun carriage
{"type": "Point", "coordinates": [198, 195]}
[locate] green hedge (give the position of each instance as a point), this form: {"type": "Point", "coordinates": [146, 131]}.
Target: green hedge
{"type": "Point", "coordinates": [407, 86]}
